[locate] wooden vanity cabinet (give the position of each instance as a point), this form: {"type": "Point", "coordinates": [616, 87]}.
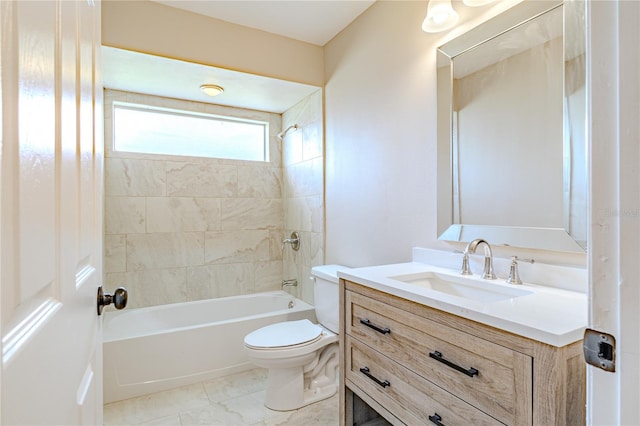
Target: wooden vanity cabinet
{"type": "Point", "coordinates": [413, 364]}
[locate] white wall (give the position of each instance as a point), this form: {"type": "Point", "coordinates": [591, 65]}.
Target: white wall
{"type": "Point", "coordinates": [379, 124]}
{"type": "Point", "coordinates": [380, 113]}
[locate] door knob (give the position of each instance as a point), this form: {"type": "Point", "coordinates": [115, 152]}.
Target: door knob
{"type": "Point", "coordinates": [118, 298]}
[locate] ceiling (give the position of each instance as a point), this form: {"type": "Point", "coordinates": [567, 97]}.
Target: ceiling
{"type": "Point", "coordinates": [155, 75]}
{"type": "Point", "coordinates": [312, 21]}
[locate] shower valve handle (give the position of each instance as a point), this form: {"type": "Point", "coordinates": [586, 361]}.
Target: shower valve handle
{"type": "Point", "coordinates": [294, 240]}
{"type": "Point", "coordinates": [118, 298]}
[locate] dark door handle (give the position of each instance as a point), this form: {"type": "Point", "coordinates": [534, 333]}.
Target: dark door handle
{"type": "Point", "coordinates": [118, 298]}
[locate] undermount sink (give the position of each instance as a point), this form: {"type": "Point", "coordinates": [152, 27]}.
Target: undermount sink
{"type": "Point", "coordinates": [459, 286]}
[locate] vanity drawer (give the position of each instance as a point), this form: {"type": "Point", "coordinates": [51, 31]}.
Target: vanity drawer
{"type": "Point", "coordinates": [493, 378]}
{"type": "Point", "coordinates": [412, 398]}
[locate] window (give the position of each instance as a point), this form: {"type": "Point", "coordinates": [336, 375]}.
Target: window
{"type": "Point", "coordinates": [152, 130]}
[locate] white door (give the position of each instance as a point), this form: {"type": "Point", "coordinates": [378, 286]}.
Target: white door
{"type": "Point", "coordinates": [50, 212]}
{"type": "Point", "coordinates": [614, 247]}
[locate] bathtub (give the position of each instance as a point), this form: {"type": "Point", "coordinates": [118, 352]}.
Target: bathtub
{"type": "Point", "coordinates": [162, 347]}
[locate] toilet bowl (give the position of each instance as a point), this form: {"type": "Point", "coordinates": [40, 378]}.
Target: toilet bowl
{"type": "Point", "coordinates": [302, 357]}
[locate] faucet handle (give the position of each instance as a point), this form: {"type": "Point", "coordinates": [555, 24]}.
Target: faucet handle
{"type": "Point", "coordinates": [517, 259]}
{"type": "Point", "coordinates": [465, 269]}
{"type": "Point", "coordinates": [514, 275]}
{"type": "Point", "coordinates": [294, 240]}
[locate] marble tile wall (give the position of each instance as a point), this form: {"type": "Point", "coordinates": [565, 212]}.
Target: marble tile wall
{"type": "Point", "coordinates": [303, 163]}
{"type": "Point", "coordinates": [185, 228]}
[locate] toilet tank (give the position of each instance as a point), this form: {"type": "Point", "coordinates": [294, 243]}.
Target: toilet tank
{"type": "Point", "coordinates": [326, 295]}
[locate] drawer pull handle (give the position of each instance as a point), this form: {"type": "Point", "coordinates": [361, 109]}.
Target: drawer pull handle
{"type": "Point", "coordinates": [375, 327]}
{"type": "Point", "coordinates": [438, 357]}
{"type": "Point", "coordinates": [365, 371]}
{"type": "Point", "coordinates": [436, 419]}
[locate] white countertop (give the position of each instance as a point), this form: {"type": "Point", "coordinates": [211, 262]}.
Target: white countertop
{"type": "Point", "coordinates": [550, 315]}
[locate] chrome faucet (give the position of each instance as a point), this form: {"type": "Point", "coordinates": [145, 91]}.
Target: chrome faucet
{"type": "Point", "coordinates": [487, 274]}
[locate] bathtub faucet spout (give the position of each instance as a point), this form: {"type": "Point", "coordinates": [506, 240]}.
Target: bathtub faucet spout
{"type": "Point", "coordinates": [290, 283]}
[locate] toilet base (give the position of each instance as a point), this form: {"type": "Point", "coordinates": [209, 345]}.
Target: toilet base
{"type": "Point", "coordinates": [295, 387]}
{"type": "Point", "coordinates": [284, 398]}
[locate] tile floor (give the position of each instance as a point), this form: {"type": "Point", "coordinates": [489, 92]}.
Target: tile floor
{"type": "Point", "coordinates": [235, 400]}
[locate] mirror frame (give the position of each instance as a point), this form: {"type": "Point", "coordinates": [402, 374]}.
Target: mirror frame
{"type": "Point", "coordinates": [555, 239]}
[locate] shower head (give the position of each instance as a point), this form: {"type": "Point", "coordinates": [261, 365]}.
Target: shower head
{"type": "Point", "coordinates": [282, 134]}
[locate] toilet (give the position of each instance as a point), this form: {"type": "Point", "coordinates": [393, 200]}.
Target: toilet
{"type": "Point", "coordinates": [302, 357]}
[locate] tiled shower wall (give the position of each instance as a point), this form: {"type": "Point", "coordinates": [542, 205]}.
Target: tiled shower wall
{"type": "Point", "coordinates": [303, 153]}
{"type": "Point", "coordinates": [185, 228]}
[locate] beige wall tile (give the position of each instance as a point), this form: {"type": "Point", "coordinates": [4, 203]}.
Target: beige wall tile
{"type": "Point", "coordinates": [251, 213]}
{"type": "Point", "coordinates": [259, 182]}
{"type": "Point", "coordinates": [151, 287]}
{"type": "Point", "coordinates": [212, 281]}
{"type": "Point", "coordinates": [275, 243]}
{"type": "Point", "coordinates": [237, 246]}
{"type": "Point", "coordinates": [312, 141]}
{"type": "Point", "coordinates": [115, 253]}
{"type": "Point", "coordinates": [304, 213]}
{"type": "Point", "coordinates": [268, 276]}
{"type": "Point", "coordinates": [316, 250]}
{"type": "Point", "coordinates": [201, 180]}
{"type": "Point", "coordinates": [182, 214]}
{"type": "Point", "coordinates": [292, 144]}
{"type": "Point", "coordinates": [164, 250]}
{"type": "Point", "coordinates": [129, 177]}
{"type": "Point", "coordinates": [306, 290]}
{"type": "Point", "coordinates": [303, 179]}
{"type": "Point", "coordinates": [124, 215]}
{"type": "Point", "coordinates": [304, 191]}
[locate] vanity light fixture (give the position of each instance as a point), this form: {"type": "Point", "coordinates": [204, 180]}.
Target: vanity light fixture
{"type": "Point", "coordinates": [211, 89]}
{"type": "Point", "coordinates": [475, 3]}
{"type": "Point", "coordinates": [440, 16]}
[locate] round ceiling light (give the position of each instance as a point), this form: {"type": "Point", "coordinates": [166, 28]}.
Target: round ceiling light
{"type": "Point", "coordinates": [211, 89]}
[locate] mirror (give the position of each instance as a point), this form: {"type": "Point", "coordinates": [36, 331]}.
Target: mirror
{"type": "Point", "coordinates": [512, 158]}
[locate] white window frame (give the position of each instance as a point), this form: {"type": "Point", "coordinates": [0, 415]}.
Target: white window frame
{"type": "Point", "coordinates": [193, 114]}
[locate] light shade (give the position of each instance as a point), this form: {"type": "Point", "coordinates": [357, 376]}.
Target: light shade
{"type": "Point", "coordinates": [211, 89]}
{"type": "Point", "coordinates": [474, 3]}
{"type": "Point", "coordinates": [440, 16]}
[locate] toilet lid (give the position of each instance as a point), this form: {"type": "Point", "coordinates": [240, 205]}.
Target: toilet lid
{"type": "Point", "coordinates": [288, 333]}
